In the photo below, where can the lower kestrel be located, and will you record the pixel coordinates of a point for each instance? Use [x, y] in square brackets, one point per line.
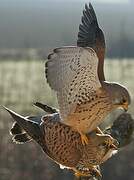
[62, 144]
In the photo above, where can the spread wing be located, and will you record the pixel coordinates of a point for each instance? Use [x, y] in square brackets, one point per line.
[90, 35]
[72, 73]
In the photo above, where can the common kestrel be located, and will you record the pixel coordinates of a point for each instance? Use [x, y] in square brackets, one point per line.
[76, 74]
[62, 144]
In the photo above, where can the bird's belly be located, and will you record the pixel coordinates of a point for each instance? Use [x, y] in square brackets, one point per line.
[88, 120]
[90, 124]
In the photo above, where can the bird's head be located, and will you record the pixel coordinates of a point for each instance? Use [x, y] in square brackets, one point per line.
[119, 95]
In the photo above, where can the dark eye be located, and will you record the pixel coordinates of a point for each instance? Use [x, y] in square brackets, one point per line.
[123, 100]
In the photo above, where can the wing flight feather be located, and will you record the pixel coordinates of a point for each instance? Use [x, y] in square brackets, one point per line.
[72, 73]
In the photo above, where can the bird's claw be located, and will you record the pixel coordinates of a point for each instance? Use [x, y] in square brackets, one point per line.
[114, 146]
[79, 174]
[90, 172]
[84, 139]
[110, 143]
[97, 173]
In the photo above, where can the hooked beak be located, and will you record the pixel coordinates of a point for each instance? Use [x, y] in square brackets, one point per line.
[125, 107]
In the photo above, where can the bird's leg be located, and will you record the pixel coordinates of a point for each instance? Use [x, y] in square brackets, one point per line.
[96, 172]
[84, 138]
[99, 131]
[79, 174]
[92, 171]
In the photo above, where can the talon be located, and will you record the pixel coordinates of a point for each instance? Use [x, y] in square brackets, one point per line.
[97, 173]
[110, 143]
[87, 172]
[84, 139]
[82, 174]
[78, 174]
[114, 146]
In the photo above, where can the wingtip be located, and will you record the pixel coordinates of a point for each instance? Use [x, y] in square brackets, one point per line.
[88, 5]
[5, 108]
[12, 113]
[36, 104]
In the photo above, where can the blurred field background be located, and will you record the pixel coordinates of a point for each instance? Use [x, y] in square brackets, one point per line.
[29, 30]
[21, 84]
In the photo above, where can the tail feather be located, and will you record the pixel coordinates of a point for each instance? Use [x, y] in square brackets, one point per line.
[16, 129]
[21, 138]
[32, 128]
[46, 108]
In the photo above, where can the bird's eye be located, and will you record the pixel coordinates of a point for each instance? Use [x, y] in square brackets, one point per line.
[123, 100]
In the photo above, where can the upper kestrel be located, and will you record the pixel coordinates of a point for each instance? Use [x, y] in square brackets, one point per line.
[76, 74]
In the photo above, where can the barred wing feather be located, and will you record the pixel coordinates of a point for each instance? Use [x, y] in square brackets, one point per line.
[72, 73]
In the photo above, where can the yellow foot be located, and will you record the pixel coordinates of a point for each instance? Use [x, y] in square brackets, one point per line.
[82, 173]
[90, 172]
[110, 142]
[84, 139]
[79, 174]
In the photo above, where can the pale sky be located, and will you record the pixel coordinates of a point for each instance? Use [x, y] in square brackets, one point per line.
[111, 1]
